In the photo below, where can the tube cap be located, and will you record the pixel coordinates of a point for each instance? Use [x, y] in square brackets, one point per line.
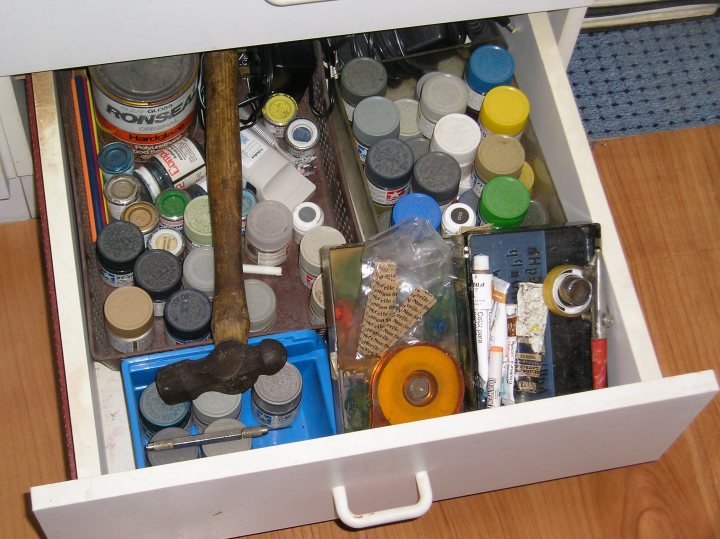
[489, 66]
[504, 202]
[481, 263]
[436, 174]
[505, 110]
[417, 205]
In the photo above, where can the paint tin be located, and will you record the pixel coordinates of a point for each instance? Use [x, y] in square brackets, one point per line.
[128, 314]
[168, 239]
[408, 118]
[199, 271]
[457, 135]
[187, 317]
[276, 399]
[144, 216]
[118, 246]
[261, 303]
[388, 170]
[159, 273]
[457, 216]
[223, 448]
[268, 233]
[116, 158]
[213, 405]
[376, 118]
[361, 78]
[505, 111]
[170, 456]
[504, 202]
[417, 205]
[147, 104]
[489, 66]
[437, 174]
[279, 110]
[306, 216]
[301, 140]
[310, 259]
[197, 225]
[171, 205]
[497, 155]
[120, 191]
[316, 306]
[156, 414]
[441, 95]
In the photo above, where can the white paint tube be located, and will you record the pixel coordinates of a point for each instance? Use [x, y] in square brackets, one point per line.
[482, 305]
[507, 391]
[498, 342]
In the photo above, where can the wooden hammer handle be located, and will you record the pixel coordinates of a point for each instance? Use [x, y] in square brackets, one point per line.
[230, 318]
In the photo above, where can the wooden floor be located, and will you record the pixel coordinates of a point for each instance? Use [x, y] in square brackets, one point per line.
[664, 190]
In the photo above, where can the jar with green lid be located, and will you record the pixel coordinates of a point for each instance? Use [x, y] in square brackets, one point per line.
[197, 223]
[504, 203]
[171, 204]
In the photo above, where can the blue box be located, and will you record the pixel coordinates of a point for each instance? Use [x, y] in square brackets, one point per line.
[306, 350]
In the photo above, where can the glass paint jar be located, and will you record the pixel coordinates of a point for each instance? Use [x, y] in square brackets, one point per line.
[262, 305]
[117, 248]
[199, 271]
[144, 216]
[376, 118]
[408, 118]
[497, 155]
[316, 305]
[276, 399]
[457, 135]
[436, 174]
[169, 240]
[279, 110]
[504, 203]
[306, 216]
[197, 224]
[223, 448]
[159, 273]
[187, 316]
[171, 456]
[171, 205]
[213, 405]
[417, 205]
[388, 170]
[441, 95]
[489, 66]
[180, 165]
[505, 111]
[156, 414]
[128, 315]
[457, 216]
[120, 191]
[268, 233]
[361, 78]
[115, 158]
[310, 259]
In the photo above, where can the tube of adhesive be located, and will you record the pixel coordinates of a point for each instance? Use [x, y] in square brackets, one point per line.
[498, 341]
[507, 392]
[482, 280]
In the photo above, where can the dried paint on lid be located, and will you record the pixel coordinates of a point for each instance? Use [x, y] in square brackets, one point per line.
[187, 314]
[389, 164]
[280, 109]
[118, 245]
[280, 392]
[198, 226]
[361, 78]
[128, 312]
[376, 118]
[499, 155]
[158, 272]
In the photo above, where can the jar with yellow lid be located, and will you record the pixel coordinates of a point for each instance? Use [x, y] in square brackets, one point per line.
[527, 176]
[143, 215]
[504, 111]
[129, 319]
[279, 110]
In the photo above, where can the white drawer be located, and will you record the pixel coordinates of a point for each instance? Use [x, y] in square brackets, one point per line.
[635, 420]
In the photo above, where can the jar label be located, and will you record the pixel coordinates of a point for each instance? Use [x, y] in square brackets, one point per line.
[252, 150]
[115, 210]
[477, 184]
[278, 131]
[158, 307]
[486, 133]
[183, 162]
[128, 346]
[306, 277]
[362, 150]
[177, 224]
[274, 421]
[117, 280]
[426, 126]
[475, 100]
[386, 197]
[274, 258]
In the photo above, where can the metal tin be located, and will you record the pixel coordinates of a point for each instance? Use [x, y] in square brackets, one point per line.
[169, 240]
[310, 251]
[279, 110]
[117, 247]
[120, 191]
[187, 316]
[223, 448]
[128, 314]
[144, 216]
[170, 456]
[276, 399]
[268, 233]
[156, 414]
[171, 205]
[199, 271]
[262, 305]
[116, 158]
[159, 273]
[301, 139]
[212, 405]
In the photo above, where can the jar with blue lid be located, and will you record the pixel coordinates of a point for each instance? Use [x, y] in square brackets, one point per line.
[116, 158]
[417, 205]
[489, 66]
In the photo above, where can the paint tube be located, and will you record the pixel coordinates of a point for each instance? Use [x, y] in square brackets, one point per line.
[507, 391]
[498, 341]
[482, 306]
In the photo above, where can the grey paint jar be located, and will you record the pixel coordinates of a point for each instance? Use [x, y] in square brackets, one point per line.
[310, 259]
[376, 118]
[199, 271]
[212, 405]
[276, 399]
[170, 456]
[361, 78]
[159, 273]
[262, 305]
[223, 448]
[118, 246]
[388, 170]
[187, 316]
[441, 95]
[437, 174]
[156, 415]
[268, 233]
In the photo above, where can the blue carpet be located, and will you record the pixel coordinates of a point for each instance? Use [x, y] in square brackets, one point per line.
[652, 78]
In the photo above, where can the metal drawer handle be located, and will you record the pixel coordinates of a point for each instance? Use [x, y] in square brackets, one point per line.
[385, 516]
[283, 3]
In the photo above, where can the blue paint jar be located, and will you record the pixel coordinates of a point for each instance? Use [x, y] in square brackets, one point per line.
[116, 158]
[417, 205]
[489, 66]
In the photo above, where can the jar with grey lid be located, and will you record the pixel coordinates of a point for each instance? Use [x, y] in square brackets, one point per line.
[187, 316]
[120, 191]
[311, 246]
[212, 405]
[437, 174]
[223, 448]
[268, 233]
[361, 78]
[159, 273]
[170, 456]
[276, 399]
[118, 246]
[442, 94]
[199, 271]
[262, 305]
[156, 414]
[197, 223]
[388, 170]
[376, 118]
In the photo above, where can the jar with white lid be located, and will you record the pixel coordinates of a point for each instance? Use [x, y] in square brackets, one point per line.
[457, 216]
[268, 233]
[457, 135]
[311, 246]
[441, 95]
[306, 216]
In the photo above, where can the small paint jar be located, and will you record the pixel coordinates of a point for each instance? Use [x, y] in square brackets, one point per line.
[151, 185]
[388, 170]
[376, 118]
[168, 239]
[457, 216]
[537, 214]
[408, 118]
[422, 80]
[306, 216]
[417, 205]
[441, 95]
[489, 66]
[276, 398]
[419, 146]
[262, 305]
[159, 273]
[197, 190]
[213, 405]
[497, 155]
[279, 110]
[457, 135]
[171, 456]
[310, 258]
[187, 316]
[171, 205]
[197, 224]
[527, 176]
[120, 191]
[180, 165]
[248, 201]
[117, 248]
[438, 175]
[505, 111]
[316, 306]
[301, 140]
[144, 216]
[128, 314]
[504, 203]
[224, 448]
[199, 271]
[361, 78]
[156, 414]
[268, 233]
[471, 199]
[115, 158]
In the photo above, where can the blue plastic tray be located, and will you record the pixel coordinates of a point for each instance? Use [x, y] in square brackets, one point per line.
[306, 350]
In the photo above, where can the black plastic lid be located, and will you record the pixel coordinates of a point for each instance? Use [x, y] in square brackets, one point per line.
[118, 245]
[389, 163]
[158, 272]
[187, 314]
[437, 174]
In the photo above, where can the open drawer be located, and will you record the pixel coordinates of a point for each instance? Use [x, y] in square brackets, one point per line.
[635, 420]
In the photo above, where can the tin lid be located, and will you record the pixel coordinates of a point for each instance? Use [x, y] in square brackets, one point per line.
[147, 81]
[376, 118]
[280, 392]
[313, 242]
[197, 223]
[458, 215]
[213, 405]
[199, 271]
[504, 202]
[361, 78]
[436, 174]
[443, 94]
[187, 314]
[223, 448]
[143, 215]
[158, 272]
[122, 189]
[261, 304]
[527, 175]
[269, 226]
[119, 244]
[457, 135]
[408, 118]
[419, 145]
[167, 239]
[128, 312]
[169, 456]
[389, 163]
[416, 205]
[171, 203]
[116, 158]
[489, 66]
[280, 109]
[156, 414]
[306, 216]
[505, 110]
[499, 155]
[301, 134]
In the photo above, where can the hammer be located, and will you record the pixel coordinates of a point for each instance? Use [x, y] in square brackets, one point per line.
[233, 366]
